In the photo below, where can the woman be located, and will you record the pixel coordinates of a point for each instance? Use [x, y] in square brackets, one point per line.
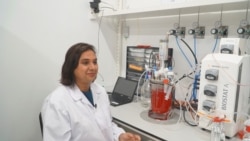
[78, 110]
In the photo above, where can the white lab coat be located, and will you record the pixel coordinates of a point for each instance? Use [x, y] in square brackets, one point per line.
[69, 116]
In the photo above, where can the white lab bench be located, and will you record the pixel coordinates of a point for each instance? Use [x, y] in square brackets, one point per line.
[134, 116]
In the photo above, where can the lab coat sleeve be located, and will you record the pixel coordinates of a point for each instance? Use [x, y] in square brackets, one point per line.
[117, 131]
[56, 123]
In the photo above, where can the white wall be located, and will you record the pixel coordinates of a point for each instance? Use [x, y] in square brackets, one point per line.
[34, 37]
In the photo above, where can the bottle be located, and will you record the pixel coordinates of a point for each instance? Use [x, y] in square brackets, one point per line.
[217, 131]
[146, 93]
[246, 136]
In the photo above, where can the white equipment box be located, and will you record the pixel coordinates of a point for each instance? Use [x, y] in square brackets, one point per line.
[224, 88]
[233, 46]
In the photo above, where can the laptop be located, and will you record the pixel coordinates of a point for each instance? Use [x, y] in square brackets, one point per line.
[123, 91]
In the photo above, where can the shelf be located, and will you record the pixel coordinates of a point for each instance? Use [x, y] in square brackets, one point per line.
[185, 8]
[136, 60]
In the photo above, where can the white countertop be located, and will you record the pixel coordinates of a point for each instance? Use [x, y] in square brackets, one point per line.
[172, 130]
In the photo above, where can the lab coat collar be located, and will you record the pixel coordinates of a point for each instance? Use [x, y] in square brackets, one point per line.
[77, 94]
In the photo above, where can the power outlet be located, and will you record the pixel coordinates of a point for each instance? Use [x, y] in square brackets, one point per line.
[126, 31]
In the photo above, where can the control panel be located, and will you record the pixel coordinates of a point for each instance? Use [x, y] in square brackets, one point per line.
[223, 89]
[235, 46]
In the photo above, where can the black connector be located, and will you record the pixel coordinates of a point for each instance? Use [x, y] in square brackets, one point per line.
[95, 6]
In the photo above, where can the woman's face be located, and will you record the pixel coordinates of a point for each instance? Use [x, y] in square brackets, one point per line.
[86, 70]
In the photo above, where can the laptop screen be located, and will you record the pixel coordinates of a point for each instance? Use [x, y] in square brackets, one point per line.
[125, 87]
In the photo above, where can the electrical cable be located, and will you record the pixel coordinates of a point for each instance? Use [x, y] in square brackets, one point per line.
[193, 110]
[195, 58]
[98, 33]
[187, 107]
[188, 76]
[99, 28]
[108, 8]
[188, 122]
[184, 111]
[98, 39]
[194, 92]
[104, 2]
[184, 76]
[195, 53]
[190, 64]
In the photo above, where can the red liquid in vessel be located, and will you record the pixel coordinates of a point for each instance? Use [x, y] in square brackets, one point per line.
[158, 102]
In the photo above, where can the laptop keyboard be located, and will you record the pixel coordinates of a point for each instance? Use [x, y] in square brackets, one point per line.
[116, 101]
[113, 103]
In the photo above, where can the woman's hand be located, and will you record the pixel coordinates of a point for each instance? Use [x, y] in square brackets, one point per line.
[129, 137]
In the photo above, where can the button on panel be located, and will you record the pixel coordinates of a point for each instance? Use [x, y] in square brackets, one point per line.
[210, 90]
[208, 105]
[212, 74]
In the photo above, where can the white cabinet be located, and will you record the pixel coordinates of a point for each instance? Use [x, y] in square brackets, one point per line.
[170, 9]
